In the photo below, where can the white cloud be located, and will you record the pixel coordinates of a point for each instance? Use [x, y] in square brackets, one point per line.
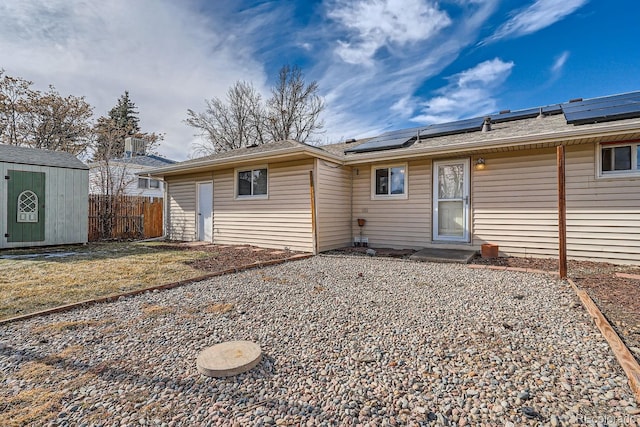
[558, 64]
[168, 56]
[469, 93]
[364, 101]
[373, 24]
[541, 14]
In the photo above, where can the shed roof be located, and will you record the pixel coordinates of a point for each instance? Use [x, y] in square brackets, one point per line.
[39, 157]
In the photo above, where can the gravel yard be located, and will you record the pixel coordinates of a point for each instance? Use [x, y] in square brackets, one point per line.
[347, 340]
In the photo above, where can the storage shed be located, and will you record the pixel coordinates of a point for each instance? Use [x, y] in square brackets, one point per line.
[43, 198]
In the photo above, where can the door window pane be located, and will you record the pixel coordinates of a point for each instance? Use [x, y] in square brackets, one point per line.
[450, 181]
[450, 219]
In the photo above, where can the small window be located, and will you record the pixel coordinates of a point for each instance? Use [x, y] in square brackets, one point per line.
[27, 207]
[389, 181]
[251, 182]
[148, 183]
[621, 159]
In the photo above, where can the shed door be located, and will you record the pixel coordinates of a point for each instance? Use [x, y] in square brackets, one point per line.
[205, 211]
[25, 210]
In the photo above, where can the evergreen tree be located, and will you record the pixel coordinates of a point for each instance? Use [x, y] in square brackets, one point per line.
[122, 120]
[125, 115]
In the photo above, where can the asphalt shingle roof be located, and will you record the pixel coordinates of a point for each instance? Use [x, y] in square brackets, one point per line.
[35, 156]
[150, 160]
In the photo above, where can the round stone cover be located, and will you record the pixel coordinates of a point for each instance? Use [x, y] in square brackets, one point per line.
[228, 358]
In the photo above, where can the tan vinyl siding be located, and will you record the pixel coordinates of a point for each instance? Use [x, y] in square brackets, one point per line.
[395, 223]
[283, 220]
[181, 199]
[333, 205]
[603, 215]
[514, 203]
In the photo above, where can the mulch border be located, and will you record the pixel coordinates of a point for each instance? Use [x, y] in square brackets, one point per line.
[111, 298]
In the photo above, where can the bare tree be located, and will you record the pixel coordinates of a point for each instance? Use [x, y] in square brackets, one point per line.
[108, 179]
[57, 123]
[236, 121]
[242, 119]
[294, 108]
[42, 120]
[14, 93]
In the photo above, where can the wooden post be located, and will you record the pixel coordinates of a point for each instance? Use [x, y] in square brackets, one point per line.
[313, 213]
[562, 213]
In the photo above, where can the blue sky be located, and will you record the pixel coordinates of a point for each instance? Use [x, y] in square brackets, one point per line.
[380, 64]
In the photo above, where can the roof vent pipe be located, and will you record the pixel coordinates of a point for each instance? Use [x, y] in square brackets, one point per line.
[486, 126]
[540, 115]
[418, 136]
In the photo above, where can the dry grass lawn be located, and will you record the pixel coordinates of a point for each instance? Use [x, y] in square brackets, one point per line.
[36, 279]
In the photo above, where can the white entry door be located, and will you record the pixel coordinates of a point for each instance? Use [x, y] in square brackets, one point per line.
[451, 200]
[205, 211]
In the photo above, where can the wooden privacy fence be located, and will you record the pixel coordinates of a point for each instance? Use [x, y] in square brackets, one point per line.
[124, 217]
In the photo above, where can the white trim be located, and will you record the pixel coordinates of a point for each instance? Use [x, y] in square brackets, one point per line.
[236, 196]
[466, 211]
[634, 172]
[197, 213]
[404, 195]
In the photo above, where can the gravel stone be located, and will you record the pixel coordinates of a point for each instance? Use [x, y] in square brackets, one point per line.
[346, 341]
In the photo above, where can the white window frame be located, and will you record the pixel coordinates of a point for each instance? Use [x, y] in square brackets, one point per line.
[147, 183]
[404, 195]
[635, 167]
[249, 196]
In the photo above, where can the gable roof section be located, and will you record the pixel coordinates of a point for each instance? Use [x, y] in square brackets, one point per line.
[38, 157]
[271, 151]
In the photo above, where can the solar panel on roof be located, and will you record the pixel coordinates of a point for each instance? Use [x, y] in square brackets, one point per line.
[452, 128]
[605, 109]
[387, 141]
[515, 115]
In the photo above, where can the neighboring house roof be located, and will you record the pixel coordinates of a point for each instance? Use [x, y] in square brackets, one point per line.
[39, 157]
[149, 160]
[544, 126]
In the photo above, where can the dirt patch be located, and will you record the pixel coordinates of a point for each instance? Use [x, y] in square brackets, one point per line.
[617, 297]
[224, 257]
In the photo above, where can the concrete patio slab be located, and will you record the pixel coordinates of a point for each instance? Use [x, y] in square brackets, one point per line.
[461, 256]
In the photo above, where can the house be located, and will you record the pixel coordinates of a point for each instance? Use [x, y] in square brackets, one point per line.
[483, 180]
[43, 198]
[127, 172]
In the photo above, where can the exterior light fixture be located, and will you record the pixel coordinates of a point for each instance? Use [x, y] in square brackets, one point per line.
[479, 164]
